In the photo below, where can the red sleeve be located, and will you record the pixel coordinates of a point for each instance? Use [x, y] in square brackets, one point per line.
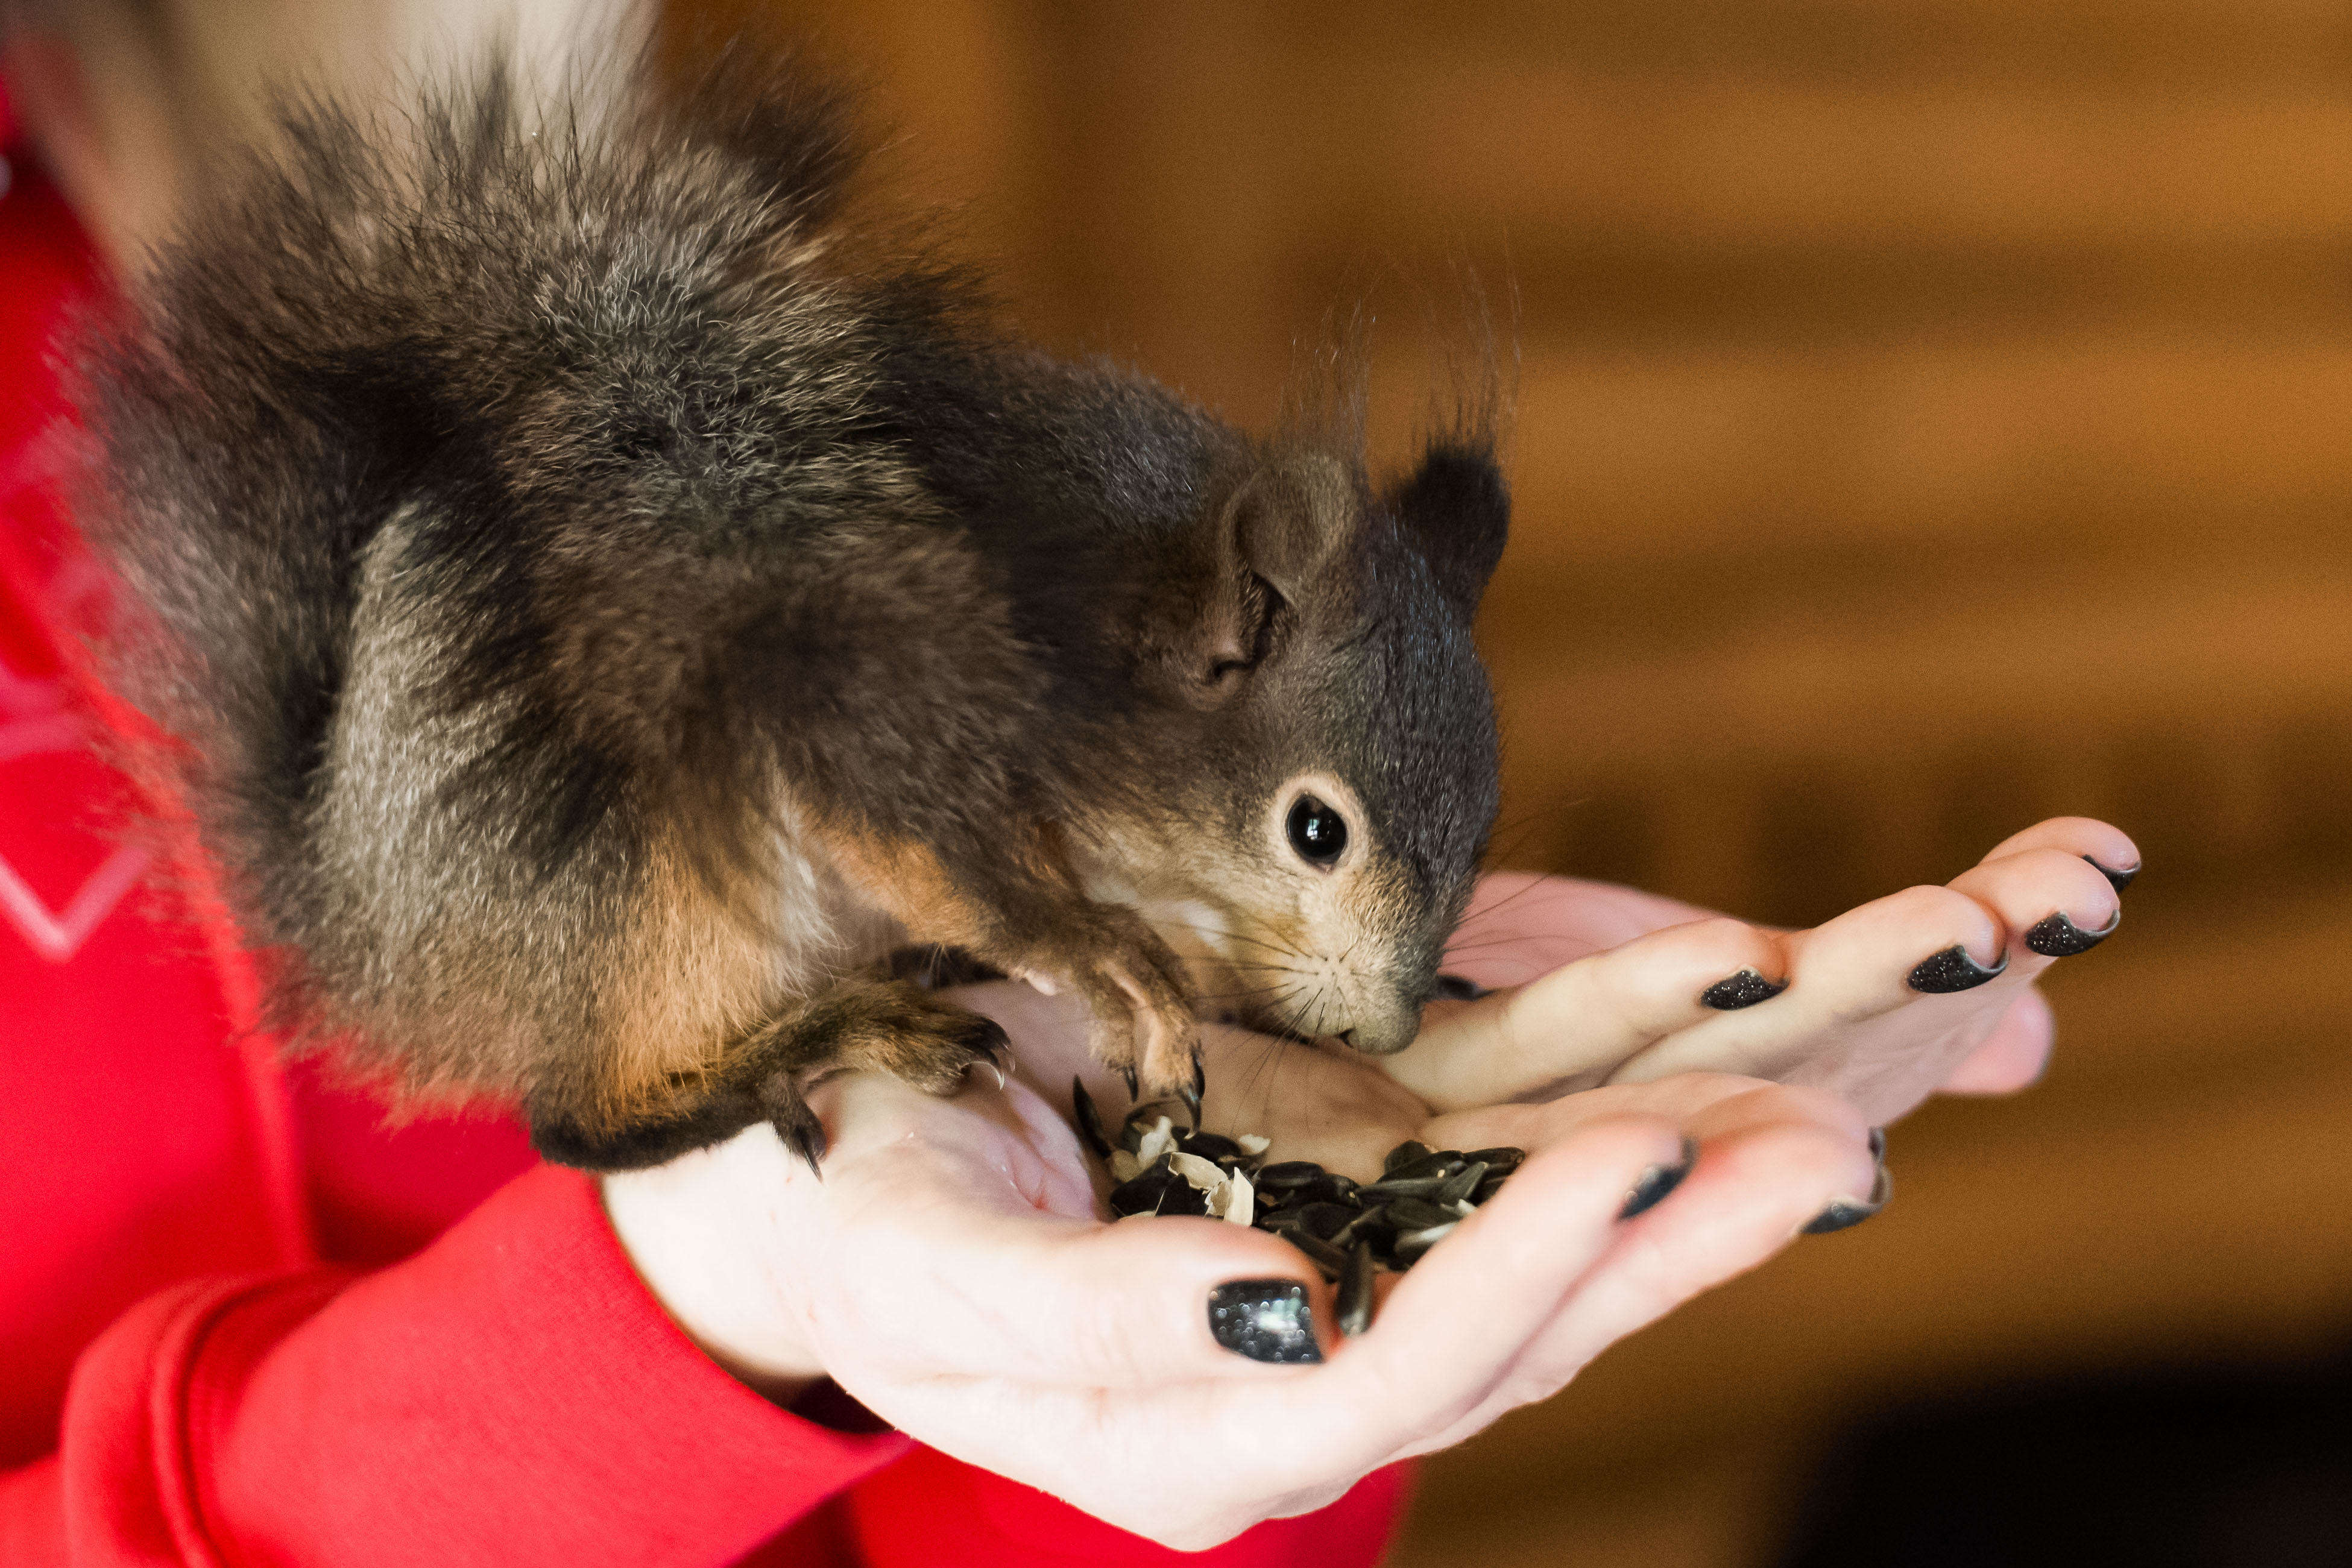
[511, 1395]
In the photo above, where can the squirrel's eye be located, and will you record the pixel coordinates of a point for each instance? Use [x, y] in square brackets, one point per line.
[1317, 832]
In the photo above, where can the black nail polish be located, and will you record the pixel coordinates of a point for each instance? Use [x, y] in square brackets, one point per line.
[1200, 1074]
[2119, 879]
[2057, 936]
[1265, 1320]
[1953, 971]
[1456, 989]
[1844, 1216]
[1134, 1084]
[1744, 990]
[1192, 1099]
[1650, 1190]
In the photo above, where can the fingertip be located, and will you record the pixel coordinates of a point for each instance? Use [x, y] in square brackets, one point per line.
[2016, 1053]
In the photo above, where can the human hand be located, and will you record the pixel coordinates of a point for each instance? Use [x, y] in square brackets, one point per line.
[1609, 985]
[951, 1271]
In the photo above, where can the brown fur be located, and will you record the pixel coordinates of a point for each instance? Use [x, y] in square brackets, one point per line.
[609, 602]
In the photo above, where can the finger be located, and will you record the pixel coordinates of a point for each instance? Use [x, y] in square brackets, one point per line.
[2103, 846]
[951, 1266]
[2014, 1055]
[1520, 925]
[2053, 902]
[1454, 1326]
[1573, 1026]
[1777, 1162]
[1693, 1101]
[1864, 964]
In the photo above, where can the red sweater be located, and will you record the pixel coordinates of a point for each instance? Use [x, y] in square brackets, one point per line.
[244, 1321]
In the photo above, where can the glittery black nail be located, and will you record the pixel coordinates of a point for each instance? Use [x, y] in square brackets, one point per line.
[1265, 1320]
[1953, 971]
[1651, 1187]
[1844, 1216]
[2056, 936]
[1456, 989]
[1744, 990]
[2120, 879]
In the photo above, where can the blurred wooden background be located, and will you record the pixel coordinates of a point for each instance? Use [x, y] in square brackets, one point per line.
[1935, 414]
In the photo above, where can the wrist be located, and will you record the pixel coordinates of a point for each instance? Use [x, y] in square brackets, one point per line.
[708, 1234]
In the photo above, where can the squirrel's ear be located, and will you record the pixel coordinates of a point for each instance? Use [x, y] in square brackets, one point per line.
[1270, 543]
[1457, 511]
[1290, 521]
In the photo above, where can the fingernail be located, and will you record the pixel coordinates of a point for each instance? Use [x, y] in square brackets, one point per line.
[1200, 1075]
[1134, 1084]
[2120, 879]
[1953, 971]
[1456, 989]
[1744, 990]
[1650, 1190]
[2057, 936]
[1844, 1215]
[1265, 1320]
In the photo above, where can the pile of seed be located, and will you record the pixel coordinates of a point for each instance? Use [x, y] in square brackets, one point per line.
[1349, 1230]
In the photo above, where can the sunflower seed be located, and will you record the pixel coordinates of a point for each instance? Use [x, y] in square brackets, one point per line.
[1326, 1257]
[1411, 1244]
[1355, 1301]
[1388, 1188]
[1090, 1127]
[1405, 1153]
[1461, 1184]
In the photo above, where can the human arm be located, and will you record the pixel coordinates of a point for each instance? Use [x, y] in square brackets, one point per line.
[510, 1396]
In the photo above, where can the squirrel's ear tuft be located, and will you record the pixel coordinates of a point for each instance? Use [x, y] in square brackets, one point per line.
[1456, 510]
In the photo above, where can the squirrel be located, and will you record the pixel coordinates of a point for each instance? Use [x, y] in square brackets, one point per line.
[601, 599]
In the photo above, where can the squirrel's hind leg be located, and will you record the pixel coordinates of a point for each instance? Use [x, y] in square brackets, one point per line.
[862, 1024]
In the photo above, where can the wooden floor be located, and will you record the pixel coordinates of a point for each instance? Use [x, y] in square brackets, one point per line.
[1933, 414]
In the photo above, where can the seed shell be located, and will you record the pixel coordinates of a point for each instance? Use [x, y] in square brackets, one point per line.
[1210, 1146]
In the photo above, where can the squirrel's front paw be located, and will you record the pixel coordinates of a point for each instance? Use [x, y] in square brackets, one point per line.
[899, 1028]
[1143, 1022]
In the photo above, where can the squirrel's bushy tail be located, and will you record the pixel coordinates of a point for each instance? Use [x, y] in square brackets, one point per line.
[341, 326]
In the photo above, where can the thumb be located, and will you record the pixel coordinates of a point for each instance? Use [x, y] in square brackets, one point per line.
[944, 1255]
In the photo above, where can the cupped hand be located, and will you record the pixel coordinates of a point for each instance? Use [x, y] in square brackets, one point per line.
[949, 1270]
[952, 1272]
